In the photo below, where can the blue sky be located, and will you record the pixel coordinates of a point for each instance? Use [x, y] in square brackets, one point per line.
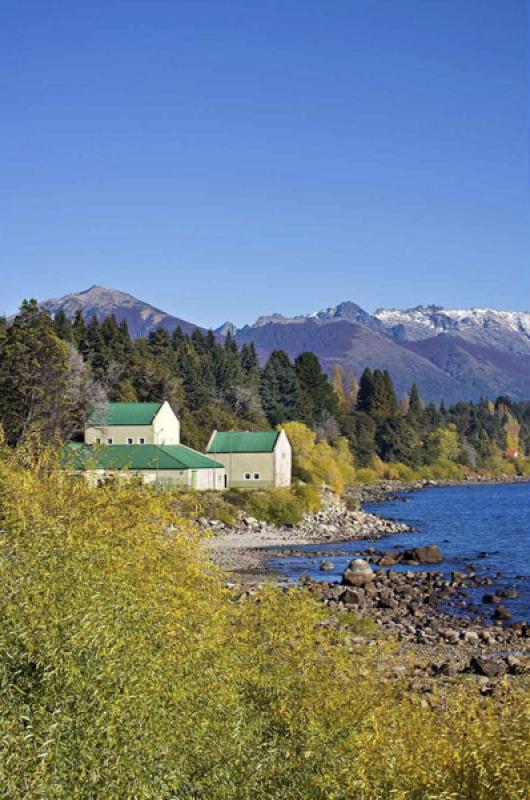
[224, 158]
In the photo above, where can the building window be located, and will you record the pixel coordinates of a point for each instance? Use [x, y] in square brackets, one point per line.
[248, 476]
[98, 440]
[141, 440]
[129, 440]
[256, 476]
[109, 441]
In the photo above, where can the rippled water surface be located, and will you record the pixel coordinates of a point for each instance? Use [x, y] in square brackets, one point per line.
[488, 526]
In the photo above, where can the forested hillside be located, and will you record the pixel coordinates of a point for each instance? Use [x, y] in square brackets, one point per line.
[53, 372]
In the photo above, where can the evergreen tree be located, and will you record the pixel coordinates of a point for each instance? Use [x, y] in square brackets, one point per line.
[249, 358]
[365, 397]
[317, 398]
[365, 439]
[33, 376]
[396, 440]
[416, 412]
[63, 327]
[391, 403]
[80, 333]
[279, 389]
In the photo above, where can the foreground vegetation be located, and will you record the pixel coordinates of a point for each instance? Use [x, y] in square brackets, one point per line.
[128, 670]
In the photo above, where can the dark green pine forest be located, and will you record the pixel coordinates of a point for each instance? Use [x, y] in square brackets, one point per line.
[54, 372]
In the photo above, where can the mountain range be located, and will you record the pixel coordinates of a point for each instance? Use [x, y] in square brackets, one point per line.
[450, 354]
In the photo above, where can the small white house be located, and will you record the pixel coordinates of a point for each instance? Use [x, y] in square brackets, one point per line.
[133, 423]
[141, 439]
[253, 459]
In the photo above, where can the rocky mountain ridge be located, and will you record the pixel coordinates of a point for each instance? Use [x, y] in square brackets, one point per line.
[451, 354]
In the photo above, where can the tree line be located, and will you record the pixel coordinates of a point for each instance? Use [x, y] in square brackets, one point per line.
[54, 372]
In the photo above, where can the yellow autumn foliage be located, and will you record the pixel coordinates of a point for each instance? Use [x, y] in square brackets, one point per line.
[320, 462]
[128, 670]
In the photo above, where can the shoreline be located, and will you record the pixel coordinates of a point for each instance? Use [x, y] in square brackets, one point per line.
[383, 491]
[425, 612]
[243, 553]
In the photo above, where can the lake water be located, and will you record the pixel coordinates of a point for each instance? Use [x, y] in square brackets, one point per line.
[487, 526]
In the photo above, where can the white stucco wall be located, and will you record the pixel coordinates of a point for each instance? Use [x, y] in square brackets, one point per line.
[282, 461]
[213, 478]
[166, 426]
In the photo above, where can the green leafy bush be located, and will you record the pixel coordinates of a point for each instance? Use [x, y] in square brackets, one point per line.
[277, 506]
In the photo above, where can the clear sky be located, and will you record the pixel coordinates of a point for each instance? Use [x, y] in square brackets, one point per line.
[223, 159]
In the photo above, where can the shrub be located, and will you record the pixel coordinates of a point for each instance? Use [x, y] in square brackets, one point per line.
[442, 470]
[209, 504]
[277, 506]
[320, 462]
[309, 496]
[127, 670]
[367, 475]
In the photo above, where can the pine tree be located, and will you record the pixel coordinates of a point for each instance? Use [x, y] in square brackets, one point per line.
[33, 376]
[249, 358]
[80, 333]
[365, 397]
[415, 411]
[317, 398]
[391, 403]
[279, 389]
[63, 326]
[364, 439]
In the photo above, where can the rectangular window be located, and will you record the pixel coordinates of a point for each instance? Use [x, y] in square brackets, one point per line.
[141, 440]
[256, 476]
[129, 440]
[248, 476]
[98, 440]
[109, 441]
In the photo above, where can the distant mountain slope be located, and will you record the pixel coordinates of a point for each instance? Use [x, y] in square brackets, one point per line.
[100, 302]
[450, 354]
[482, 369]
[354, 346]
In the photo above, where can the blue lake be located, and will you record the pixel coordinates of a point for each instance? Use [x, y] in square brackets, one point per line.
[487, 526]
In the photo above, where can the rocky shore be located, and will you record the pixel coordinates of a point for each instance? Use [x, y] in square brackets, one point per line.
[439, 633]
[424, 613]
[244, 548]
[395, 490]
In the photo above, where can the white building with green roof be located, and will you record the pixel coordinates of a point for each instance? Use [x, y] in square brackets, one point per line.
[171, 465]
[253, 459]
[141, 439]
[133, 423]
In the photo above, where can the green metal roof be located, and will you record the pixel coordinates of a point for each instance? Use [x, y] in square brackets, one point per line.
[130, 456]
[243, 442]
[125, 414]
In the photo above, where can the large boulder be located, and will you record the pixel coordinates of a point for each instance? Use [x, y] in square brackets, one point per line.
[358, 573]
[428, 554]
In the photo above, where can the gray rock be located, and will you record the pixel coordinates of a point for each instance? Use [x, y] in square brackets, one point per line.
[429, 554]
[358, 573]
[353, 597]
[501, 614]
[487, 667]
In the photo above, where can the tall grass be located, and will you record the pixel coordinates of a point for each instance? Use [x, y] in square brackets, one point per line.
[128, 670]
